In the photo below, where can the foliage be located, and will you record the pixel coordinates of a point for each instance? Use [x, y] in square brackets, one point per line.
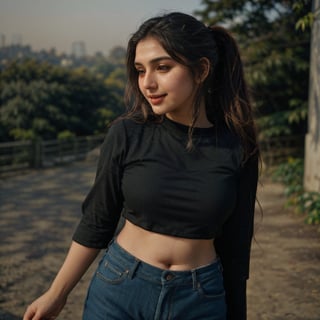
[65, 135]
[276, 57]
[291, 175]
[307, 19]
[47, 101]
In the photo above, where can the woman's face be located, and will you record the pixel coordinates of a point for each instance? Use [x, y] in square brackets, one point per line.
[167, 85]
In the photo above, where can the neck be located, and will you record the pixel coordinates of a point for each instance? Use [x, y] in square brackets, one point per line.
[201, 122]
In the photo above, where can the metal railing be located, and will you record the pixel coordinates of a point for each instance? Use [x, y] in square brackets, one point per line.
[22, 155]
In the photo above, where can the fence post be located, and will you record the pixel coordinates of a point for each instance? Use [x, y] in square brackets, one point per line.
[37, 153]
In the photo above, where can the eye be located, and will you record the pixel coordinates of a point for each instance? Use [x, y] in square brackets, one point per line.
[140, 71]
[163, 68]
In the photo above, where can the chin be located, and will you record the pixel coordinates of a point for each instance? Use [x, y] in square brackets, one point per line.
[158, 111]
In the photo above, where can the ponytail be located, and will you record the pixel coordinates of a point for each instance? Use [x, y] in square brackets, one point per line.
[229, 96]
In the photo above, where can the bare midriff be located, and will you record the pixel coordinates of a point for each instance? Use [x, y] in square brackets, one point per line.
[164, 251]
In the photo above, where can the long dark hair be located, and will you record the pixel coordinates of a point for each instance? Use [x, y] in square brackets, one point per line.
[188, 41]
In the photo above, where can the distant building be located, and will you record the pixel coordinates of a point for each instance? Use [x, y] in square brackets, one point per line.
[78, 49]
[2, 40]
[16, 39]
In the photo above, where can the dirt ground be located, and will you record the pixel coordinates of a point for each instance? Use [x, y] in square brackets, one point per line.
[39, 211]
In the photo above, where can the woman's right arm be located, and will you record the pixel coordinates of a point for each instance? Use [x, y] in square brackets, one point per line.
[50, 304]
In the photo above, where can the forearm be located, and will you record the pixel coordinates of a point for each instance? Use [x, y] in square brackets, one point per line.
[77, 261]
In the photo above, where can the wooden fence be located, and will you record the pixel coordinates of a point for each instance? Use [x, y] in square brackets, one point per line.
[278, 149]
[22, 155]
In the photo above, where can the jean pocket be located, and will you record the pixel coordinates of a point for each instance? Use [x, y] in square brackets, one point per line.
[111, 272]
[211, 288]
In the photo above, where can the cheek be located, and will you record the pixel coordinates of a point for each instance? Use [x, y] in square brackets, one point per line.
[182, 82]
[139, 83]
[184, 87]
[140, 86]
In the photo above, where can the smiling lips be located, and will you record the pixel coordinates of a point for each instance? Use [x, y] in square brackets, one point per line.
[156, 99]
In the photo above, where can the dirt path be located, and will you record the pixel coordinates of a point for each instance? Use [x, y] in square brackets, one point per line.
[285, 265]
[39, 211]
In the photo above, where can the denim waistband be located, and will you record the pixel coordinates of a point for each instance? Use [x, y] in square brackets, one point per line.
[136, 267]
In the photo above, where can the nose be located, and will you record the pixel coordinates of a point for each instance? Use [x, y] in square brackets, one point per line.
[149, 81]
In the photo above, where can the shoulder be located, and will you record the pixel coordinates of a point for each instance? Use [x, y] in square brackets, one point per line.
[121, 126]
[228, 141]
[226, 137]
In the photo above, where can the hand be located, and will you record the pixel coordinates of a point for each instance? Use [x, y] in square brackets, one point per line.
[46, 307]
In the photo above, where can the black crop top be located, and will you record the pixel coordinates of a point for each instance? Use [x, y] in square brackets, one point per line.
[146, 174]
[146, 170]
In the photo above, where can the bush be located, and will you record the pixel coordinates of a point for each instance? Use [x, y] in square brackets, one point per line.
[291, 175]
[66, 135]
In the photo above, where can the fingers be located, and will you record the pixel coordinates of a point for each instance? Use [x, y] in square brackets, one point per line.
[46, 307]
[29, 314]
[33, 314]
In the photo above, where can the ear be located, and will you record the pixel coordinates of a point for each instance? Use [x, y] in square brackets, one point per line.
[204, 69]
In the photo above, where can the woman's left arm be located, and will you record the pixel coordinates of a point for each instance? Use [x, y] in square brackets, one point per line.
[234, 244]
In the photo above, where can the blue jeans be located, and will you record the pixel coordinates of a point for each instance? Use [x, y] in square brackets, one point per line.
[124, 288]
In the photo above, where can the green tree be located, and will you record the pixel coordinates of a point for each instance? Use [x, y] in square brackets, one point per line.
[116, 82]
[276, 57]
[31, 109]
[42, 100]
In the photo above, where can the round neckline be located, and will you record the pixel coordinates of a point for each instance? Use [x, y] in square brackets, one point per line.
[184, 129]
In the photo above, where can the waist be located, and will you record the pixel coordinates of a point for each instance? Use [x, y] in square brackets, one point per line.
[135, 267]
[165, 251]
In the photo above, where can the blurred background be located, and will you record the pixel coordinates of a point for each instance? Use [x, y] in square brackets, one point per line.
[62, 79]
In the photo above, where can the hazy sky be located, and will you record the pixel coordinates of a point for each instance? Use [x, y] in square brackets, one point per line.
[101, 24]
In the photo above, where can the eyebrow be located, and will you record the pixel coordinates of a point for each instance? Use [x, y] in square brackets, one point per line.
[153, 61]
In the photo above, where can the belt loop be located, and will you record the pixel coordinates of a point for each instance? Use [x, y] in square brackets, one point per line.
[134, 268]
[194, 279]
[110, 244]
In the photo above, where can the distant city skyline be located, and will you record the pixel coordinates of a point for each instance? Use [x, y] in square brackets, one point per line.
[99, 24]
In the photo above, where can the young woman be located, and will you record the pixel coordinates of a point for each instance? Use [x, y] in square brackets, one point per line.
[181, 168]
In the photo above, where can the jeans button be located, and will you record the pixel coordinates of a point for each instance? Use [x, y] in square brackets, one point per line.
[169, 276]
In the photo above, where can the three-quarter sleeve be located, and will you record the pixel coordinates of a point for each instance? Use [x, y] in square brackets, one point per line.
[234, 244]
[102, 207]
